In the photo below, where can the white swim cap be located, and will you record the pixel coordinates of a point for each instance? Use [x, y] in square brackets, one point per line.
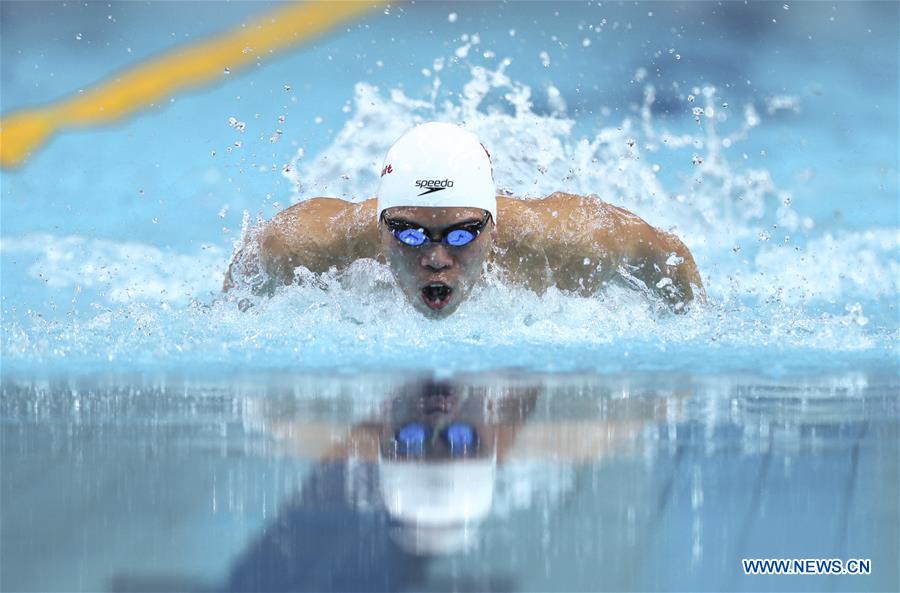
[439, 165]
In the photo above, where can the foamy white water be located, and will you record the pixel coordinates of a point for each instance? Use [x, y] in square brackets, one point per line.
[781, 291]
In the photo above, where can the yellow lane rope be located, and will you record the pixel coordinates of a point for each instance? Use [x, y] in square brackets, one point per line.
[23, 132]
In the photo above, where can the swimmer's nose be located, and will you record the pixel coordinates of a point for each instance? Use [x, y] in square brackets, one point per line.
[437, 258]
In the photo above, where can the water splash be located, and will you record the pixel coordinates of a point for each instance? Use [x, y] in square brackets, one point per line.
[771, 302]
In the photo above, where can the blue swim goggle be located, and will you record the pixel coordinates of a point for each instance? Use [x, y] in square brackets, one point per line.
[411, 234]
[413, 438]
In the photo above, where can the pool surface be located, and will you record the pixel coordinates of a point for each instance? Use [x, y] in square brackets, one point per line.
[627, 483]
[158, 437]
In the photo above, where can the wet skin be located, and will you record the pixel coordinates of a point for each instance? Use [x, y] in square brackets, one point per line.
[574, 243]
[425, 273]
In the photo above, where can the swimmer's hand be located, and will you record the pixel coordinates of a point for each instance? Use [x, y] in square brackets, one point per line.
[660, 263]
[666, 269]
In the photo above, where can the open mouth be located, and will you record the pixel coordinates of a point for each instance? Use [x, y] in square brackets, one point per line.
[436, 295]
[437, 404]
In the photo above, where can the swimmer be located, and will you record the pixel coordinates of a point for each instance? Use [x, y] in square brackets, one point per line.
[434, 447]
[438, 222]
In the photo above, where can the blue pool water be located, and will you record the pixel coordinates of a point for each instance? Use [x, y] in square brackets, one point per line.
[619, 482]
[146, 441]
[114, 240]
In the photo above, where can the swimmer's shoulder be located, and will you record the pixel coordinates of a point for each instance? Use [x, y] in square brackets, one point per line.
[321, 232]
[555, 209]
[324, 212]
[323, 209]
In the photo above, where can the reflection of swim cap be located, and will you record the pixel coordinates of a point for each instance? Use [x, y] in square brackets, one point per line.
[438, 494]
[437, 165]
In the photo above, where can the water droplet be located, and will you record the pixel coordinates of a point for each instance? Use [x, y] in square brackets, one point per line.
[763, 236]
[451, 18]
[674, 260]
[78, 36]
[690, 98]
[585, 42]
[786, 7]
[545, 59]
[697, 160]
[287, 87]
[226, 71]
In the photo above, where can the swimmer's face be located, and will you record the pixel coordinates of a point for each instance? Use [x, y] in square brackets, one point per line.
[436, 277]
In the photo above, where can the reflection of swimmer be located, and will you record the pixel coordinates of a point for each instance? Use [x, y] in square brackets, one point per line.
[334, 534]
[437, 220]
[436, 468]
[435, 446]
[465, 419]
[350, 527]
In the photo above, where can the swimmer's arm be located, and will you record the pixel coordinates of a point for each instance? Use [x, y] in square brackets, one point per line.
[656, 260]
[326, 441]
[586, 242]
[318, 234]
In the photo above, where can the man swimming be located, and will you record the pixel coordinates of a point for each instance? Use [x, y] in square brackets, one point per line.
[438, 222]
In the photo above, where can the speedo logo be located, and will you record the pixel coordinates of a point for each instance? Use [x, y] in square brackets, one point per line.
[433, 185]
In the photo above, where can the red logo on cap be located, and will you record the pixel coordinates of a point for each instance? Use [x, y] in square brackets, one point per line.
[490, 160]
[387, 170]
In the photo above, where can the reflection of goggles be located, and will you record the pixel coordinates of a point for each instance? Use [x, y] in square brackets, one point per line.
[456, 236]
[411, 439]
